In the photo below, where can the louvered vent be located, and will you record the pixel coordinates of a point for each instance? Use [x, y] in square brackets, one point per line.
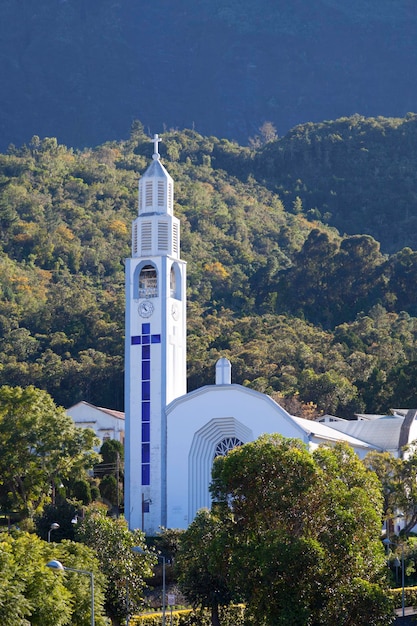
[163, 236]
[135, 239]
[146, 240]
[148, 194]
[170, 196]
[161, 193]
[175, 239]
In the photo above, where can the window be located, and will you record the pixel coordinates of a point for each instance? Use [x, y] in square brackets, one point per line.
[173, 282]
[148, 282]
[227, 444]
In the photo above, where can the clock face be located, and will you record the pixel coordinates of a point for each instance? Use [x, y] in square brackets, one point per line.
[175, 311]
[145, 308]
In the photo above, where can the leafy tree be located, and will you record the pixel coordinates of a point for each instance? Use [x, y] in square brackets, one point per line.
[168, 541]
[331, 391]
[32, 593]
[109, 489]
[399, 480]
[64, 513]
[38, 443]
[203, 563]
[111, 451]
[111, 471]
[359, 603]
[81, 491]
[125, 571]
[302, 527]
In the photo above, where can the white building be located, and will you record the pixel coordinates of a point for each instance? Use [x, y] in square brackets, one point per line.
[106, 423]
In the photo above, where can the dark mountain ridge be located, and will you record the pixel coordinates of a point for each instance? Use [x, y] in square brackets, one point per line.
[83, 72]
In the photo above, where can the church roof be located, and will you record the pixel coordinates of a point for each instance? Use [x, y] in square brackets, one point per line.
[233, 388]
[156, 170]
[383, 433]
[308, 430]
[327, 433]
[117, 414]
[368, 416]
[401, 412]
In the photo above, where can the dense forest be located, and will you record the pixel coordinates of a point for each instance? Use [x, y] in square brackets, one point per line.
[301, 262]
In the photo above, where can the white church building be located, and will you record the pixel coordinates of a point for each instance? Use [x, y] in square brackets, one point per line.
[171, 436]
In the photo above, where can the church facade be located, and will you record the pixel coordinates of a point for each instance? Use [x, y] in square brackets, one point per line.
[171, 436]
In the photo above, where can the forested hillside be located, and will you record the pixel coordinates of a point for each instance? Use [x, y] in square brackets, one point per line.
[299, 309]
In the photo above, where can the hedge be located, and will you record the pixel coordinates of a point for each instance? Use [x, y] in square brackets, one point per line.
[410, 596]
[229, 616]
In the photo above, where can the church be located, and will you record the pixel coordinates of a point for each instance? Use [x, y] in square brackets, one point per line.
[171, 436]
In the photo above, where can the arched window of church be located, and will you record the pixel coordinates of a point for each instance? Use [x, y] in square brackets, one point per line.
[227, 444]
[172, 282]
[175, 281]
[148, 282]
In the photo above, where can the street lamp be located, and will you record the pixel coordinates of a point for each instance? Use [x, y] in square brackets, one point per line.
[54, 526]
[139, 550]
[387, 542]
[57, 565]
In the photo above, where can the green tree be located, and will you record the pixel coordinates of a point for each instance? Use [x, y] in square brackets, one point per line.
[399, 480]
[111, 472]
[65, 513]
[111, 451]
[125, 571]
[203, 563]
[33, 594]
[38, 443]
[331, 391]
[303, 527]
[109, 489]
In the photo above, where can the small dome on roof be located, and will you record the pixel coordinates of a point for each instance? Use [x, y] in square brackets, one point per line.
[223, 372]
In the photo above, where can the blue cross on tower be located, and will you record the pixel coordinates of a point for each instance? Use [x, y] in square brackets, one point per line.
[145, 340]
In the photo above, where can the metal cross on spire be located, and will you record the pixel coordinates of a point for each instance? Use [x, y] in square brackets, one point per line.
[155, 140]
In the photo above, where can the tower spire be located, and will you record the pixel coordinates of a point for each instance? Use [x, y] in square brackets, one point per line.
[156, 156]
[155, 363]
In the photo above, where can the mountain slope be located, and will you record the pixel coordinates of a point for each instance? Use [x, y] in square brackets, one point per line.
[299, 310]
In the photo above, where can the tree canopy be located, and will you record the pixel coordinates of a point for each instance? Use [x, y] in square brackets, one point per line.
[125, 570]
[39, 444]
[33, 594]
[303, 530]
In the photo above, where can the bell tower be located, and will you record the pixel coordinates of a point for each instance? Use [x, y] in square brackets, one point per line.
[155, 345]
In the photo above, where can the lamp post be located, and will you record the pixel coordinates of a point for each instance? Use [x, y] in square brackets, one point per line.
[54, 526]
[387, 542]
[57, 565]
[139, 550]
